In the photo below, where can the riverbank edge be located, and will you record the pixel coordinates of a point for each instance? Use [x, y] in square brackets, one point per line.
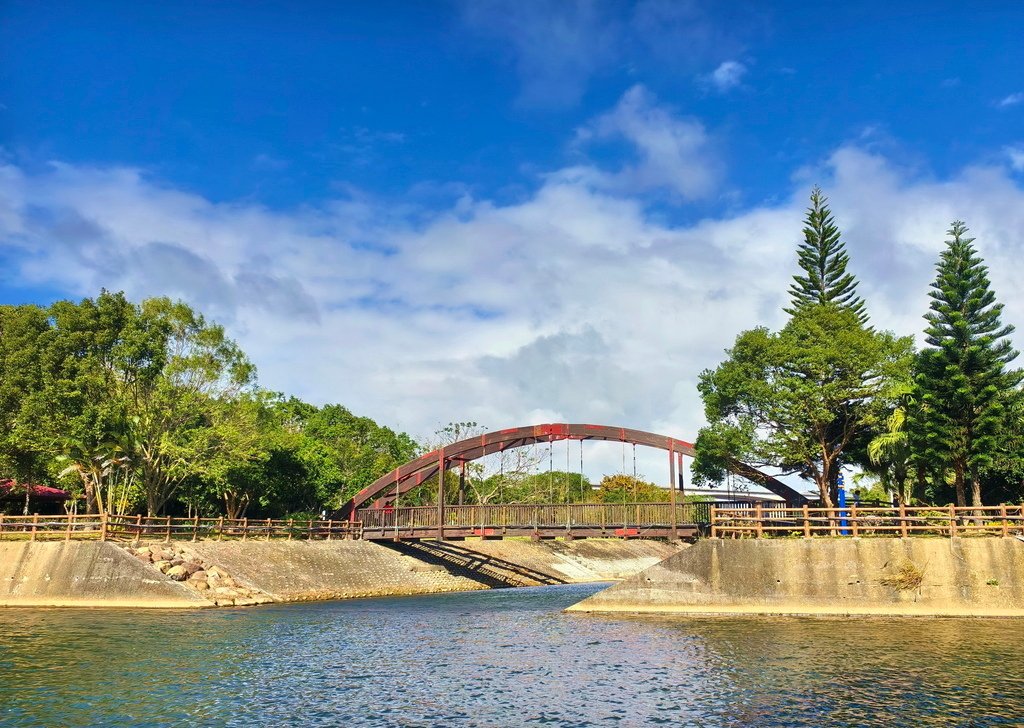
[958, 577]
[124, 576]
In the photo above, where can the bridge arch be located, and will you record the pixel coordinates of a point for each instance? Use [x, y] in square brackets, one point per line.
[418, 471]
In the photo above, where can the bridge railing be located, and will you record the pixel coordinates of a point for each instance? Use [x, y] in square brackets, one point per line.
[902, 521]
[537, 515]
[111, 527]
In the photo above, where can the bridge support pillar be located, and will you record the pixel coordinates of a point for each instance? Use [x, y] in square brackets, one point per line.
[440, 494]
[672, 491]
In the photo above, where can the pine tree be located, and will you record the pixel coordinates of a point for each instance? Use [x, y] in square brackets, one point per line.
[823, 258]
[962, 378]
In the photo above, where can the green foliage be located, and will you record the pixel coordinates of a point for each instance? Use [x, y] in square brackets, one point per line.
[622, 488]
[823, 258]
[966, 421]
[798, 399]
[151, 406]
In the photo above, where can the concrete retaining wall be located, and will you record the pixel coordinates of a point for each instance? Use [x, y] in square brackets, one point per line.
[582, 560]
[105, 574]
[85, 574]
[959, 577]
[309, 570]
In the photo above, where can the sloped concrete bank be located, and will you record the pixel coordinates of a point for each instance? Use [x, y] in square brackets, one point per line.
[882, 576]
[86, 574]
[225, 573]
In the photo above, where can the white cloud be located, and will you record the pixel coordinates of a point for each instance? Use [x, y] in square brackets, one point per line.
[1011, 100]
[727, 76]
[672, 152]
[1016, 156]
[572, 304]
[557, 46]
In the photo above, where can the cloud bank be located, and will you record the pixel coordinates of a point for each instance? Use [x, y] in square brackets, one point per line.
[577, 303]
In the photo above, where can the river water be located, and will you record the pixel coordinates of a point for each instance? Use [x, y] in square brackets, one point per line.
[500, 658]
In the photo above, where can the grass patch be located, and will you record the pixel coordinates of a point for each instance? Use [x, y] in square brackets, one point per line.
[907, 577]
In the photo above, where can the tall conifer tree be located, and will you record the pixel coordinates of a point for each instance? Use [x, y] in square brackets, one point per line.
[822, 256]
[962, 378]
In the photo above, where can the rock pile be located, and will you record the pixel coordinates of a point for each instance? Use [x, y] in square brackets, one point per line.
[181, 564]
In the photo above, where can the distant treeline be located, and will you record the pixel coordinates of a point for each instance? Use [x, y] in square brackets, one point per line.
[148, 407]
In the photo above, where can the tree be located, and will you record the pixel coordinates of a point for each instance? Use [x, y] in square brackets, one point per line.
[22, 329]
[622, 488]
[823, 258]
[171, 398]
[799, 399]
[890, 457]
[346, 453]
[962, 377]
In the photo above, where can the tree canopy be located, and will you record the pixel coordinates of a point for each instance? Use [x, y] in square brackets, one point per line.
[966, 418]
[822, 257]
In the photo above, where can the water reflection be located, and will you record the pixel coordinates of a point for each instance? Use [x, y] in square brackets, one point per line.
[500, 658]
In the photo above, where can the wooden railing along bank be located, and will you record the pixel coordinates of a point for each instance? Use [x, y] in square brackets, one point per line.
[107, 527]
[773, 521]
[725, 521]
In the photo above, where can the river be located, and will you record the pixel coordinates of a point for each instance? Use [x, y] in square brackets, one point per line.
[500, 658]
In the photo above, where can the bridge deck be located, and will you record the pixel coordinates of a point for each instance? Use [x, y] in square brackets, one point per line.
[572, 520]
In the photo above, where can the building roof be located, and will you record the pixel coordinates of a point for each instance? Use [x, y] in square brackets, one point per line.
[10, 490]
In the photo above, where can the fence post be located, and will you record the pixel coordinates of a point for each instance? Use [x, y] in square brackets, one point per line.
[714, 521]
[268, 529]
[103, 526]
[903, 520]
[952, 520]
[138, 527]
[309, 533]
[1, 526]
[195, 529]
[245, 528]
[67, 533]
[854, 521]
[35, 526]
[330, 526]
[759, 514]
[291, 525]
[1002, 516]
[167, 533]
[807, 522]
[220, 528]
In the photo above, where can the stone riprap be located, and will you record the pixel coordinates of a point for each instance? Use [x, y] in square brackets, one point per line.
[181, 564]
[829, 576]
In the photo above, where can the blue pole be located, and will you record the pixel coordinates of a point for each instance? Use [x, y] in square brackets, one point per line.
[843, 523]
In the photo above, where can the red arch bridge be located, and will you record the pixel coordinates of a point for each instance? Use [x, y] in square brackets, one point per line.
[378, 506]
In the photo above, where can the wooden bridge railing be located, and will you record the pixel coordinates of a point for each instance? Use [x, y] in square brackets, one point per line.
[537, 515]
[762, 522]
[107, 527]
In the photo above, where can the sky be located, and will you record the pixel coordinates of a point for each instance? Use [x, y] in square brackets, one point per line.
[502, 211]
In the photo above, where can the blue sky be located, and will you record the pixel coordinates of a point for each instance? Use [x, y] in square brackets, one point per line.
[287, 103]
[442, 211]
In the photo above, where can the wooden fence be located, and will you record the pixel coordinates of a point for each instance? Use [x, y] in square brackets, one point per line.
[107, 527]
[566, 515]
[858, 521]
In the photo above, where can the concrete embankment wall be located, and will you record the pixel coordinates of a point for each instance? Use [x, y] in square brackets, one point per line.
[957, 577]
[105, 574]
[582, 560]
[85, 574]
[309, 570]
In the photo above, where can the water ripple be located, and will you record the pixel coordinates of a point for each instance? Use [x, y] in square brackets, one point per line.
[500, 658]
